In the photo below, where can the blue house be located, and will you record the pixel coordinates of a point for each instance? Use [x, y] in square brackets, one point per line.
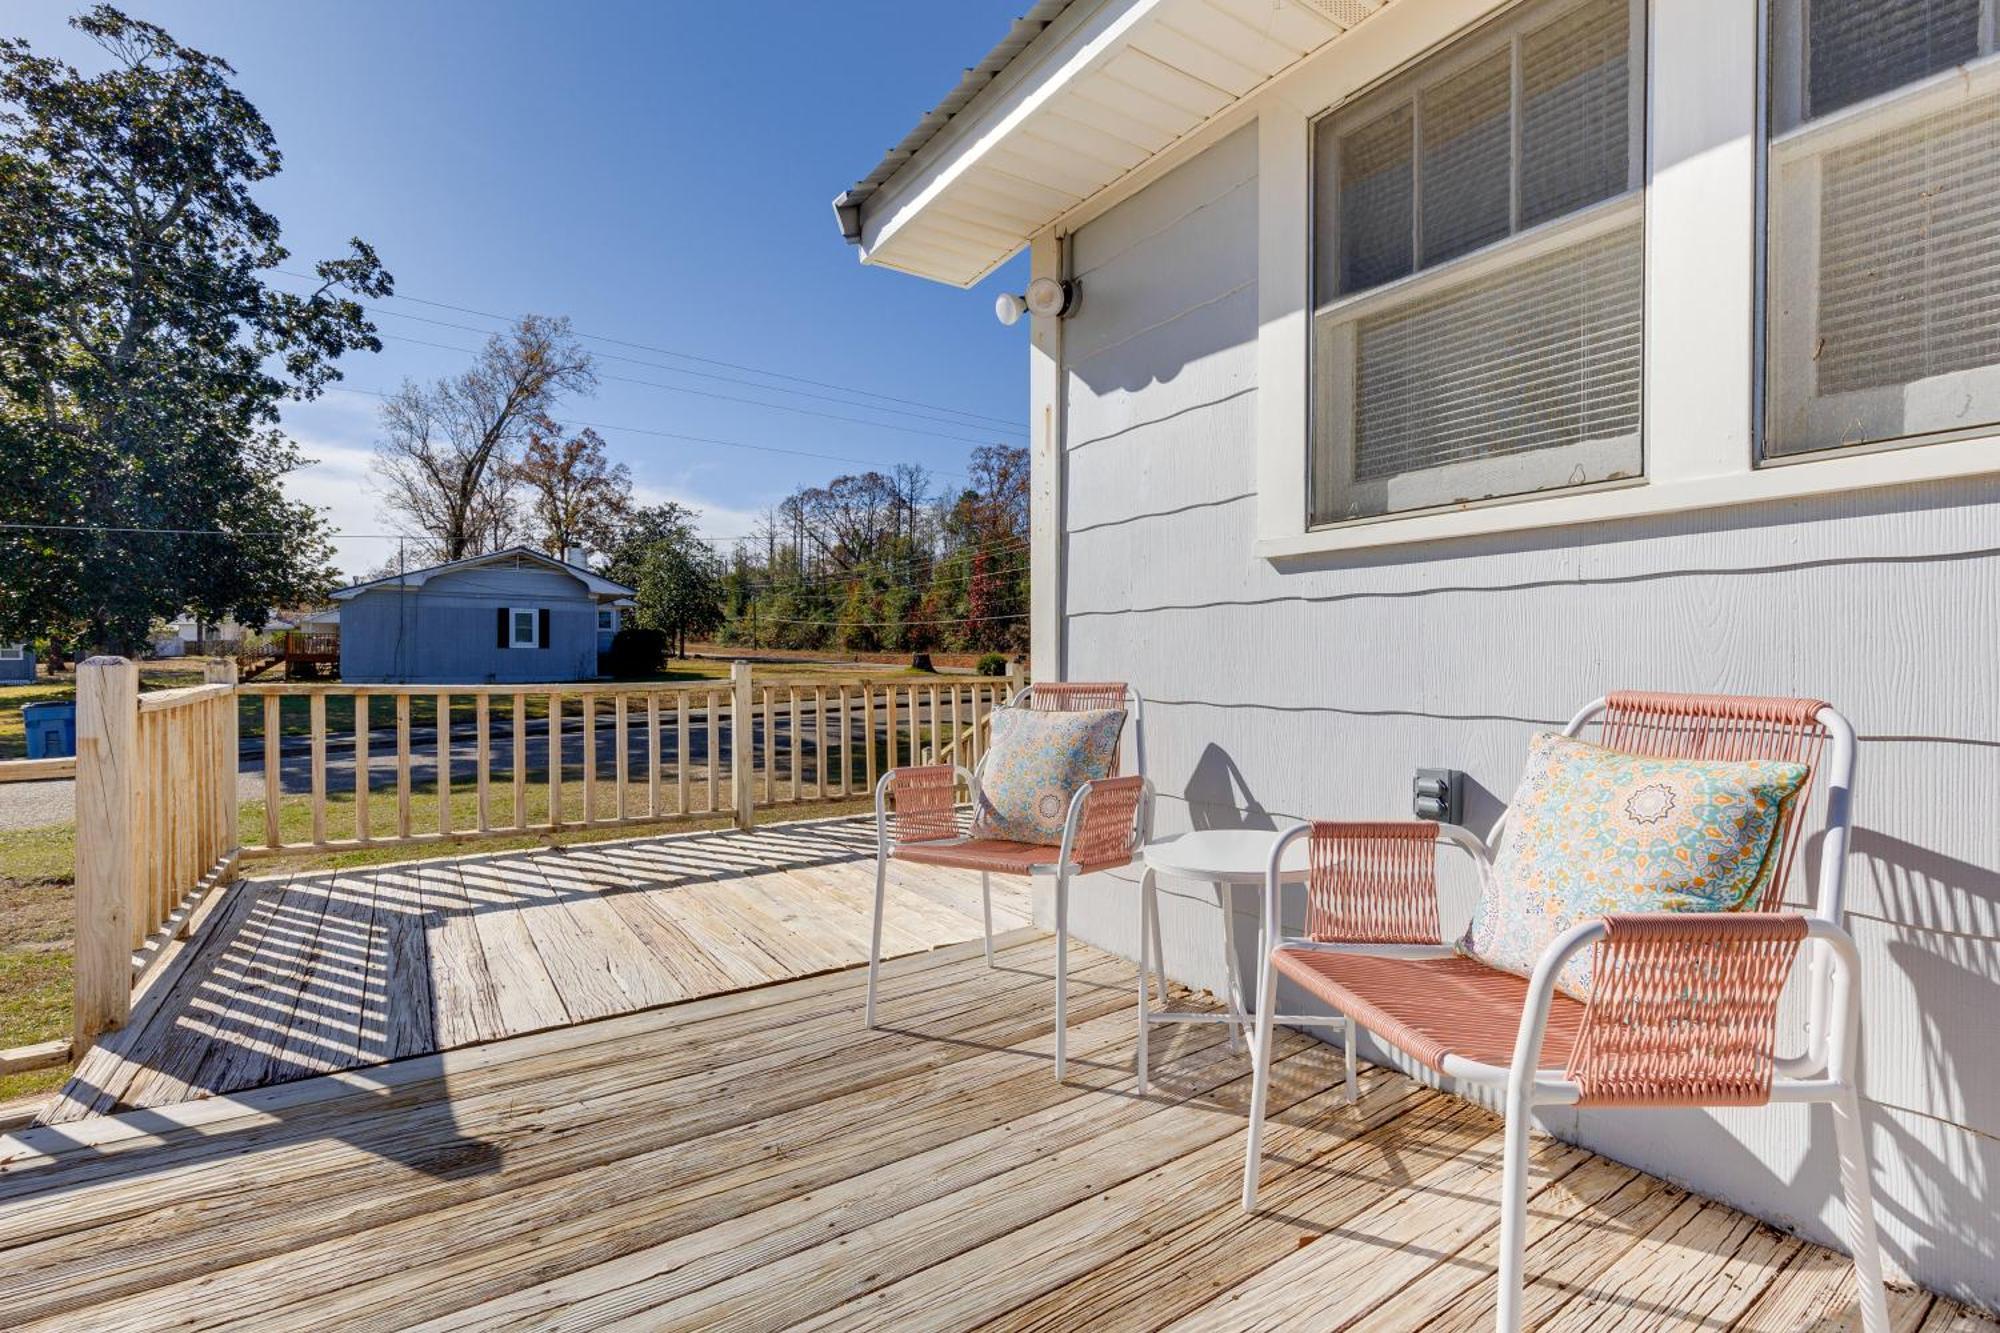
[515, 616]
[17, 662]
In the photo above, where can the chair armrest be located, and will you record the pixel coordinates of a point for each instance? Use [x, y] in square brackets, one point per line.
[919, 803]
[1108, 821]
[1683, 1006]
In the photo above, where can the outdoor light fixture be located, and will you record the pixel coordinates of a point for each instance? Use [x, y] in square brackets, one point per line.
[1052, 297]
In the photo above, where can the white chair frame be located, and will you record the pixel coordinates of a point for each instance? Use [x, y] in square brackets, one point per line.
[1062, 866]
[1824, 1070]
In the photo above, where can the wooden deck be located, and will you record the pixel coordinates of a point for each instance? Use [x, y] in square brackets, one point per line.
[758, 1160]
[307, 974]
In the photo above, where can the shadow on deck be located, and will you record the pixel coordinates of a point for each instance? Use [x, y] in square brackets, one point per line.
[314, 973]
[759, 1160]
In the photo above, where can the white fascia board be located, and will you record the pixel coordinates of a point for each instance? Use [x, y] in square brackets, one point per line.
[1071, 47]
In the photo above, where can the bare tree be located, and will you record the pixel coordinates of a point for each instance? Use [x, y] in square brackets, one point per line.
[445, 464]
[576, 495]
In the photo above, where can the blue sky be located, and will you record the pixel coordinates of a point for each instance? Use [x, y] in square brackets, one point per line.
[660, 173]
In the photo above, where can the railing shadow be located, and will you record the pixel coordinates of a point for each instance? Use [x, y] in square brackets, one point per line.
[334, 972]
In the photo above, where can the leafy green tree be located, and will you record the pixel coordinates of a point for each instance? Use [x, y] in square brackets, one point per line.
[679, 582]
[680, 593]
[143, 357]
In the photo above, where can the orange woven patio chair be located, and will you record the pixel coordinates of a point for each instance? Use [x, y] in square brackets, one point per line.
[1107, 824]
[1684, 1008]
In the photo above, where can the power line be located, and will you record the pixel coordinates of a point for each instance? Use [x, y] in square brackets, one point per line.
[164, 532]
[695, 439]
[1014, 428]
[689, 356]
[909, 568]
[726, 397]
[894, 624]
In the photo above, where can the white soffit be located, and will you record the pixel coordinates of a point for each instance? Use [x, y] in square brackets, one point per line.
[1098, 91]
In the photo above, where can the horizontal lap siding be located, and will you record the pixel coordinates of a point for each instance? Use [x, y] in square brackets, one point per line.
[1316, 691]
[447, 630]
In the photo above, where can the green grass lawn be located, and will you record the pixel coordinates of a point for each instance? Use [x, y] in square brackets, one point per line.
[13, 734]
[37, 882]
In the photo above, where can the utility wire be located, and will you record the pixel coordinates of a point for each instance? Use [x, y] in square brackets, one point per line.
[688, 356]
[728, 397]
[694, 439]
[1014, 428]
[166, 532]
[894, 624]
[908, 568]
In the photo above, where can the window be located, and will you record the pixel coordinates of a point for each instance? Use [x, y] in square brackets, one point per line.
[1477, 266]
[1882, 308]
[13, 652]
[524, 628]
[605, 621]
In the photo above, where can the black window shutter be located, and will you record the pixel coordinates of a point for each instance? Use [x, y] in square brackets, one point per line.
[542, 640]
[503, 613]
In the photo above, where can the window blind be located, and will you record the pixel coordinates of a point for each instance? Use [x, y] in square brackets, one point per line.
[1909, 278]
[1575, 121]
[1467, 159]
[1376, 206]
[1858, 49]
[1541, 355]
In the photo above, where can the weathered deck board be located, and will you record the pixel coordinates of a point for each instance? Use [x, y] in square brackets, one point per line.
[316, 973]
[758, 1160]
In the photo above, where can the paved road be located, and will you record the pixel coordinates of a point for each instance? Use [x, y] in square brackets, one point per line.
[33, 804]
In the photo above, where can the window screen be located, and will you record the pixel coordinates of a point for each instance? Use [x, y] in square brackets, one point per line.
[1516, 368]
[1467, 159]
[1883, 311]
[1858, 49]
[1575, 95]
[524, 629]
[1373, 241]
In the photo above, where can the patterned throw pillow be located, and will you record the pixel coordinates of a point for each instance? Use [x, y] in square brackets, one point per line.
[1034, 766]
[1594, 831]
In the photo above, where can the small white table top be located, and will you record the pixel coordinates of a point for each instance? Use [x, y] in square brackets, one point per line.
[1227, 856]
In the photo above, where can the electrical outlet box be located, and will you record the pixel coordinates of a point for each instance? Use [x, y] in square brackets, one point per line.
[1438, 794]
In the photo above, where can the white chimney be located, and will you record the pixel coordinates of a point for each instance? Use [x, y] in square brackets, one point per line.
[576, 555]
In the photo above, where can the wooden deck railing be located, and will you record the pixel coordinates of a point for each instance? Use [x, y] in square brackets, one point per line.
[513, 759]
[353, 766]
[156, 819]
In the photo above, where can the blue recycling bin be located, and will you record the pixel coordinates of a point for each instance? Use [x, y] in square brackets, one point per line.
[51, 730]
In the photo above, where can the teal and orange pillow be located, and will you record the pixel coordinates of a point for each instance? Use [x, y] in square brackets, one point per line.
[1595, 831]
[1034, 766]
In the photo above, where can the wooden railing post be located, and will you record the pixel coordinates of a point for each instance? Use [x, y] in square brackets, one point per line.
[1014, 681]
[107, 781]
[742, 746]
[225, 673]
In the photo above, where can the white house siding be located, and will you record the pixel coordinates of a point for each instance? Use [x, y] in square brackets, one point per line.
[444, 632]
[1316, 690]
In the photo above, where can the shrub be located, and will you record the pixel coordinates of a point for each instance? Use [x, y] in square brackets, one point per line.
[992, 664]
[635, 652]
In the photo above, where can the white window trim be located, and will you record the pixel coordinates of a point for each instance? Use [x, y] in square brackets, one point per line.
[1703, 217]
[534, 614]
[13, 652]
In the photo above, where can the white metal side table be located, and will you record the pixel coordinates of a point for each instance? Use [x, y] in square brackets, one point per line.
[1224, 858]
